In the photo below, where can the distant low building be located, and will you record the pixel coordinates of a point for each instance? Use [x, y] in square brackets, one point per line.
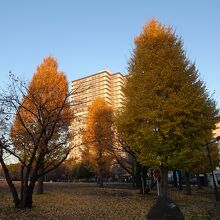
[216, 133]
[217, 130]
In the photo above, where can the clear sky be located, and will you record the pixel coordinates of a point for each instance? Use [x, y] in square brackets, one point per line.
[90, 35]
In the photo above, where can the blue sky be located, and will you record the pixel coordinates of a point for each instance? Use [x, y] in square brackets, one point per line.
[87, 36]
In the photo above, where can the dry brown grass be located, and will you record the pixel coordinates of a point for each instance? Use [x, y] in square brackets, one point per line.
[86, 201]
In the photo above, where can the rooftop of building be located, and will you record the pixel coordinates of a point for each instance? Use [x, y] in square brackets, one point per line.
[99, 72]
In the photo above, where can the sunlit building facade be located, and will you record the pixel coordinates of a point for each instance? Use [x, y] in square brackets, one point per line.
[104, 84]
[217, 130]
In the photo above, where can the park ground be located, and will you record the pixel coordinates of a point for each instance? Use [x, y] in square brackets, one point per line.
[115, 201]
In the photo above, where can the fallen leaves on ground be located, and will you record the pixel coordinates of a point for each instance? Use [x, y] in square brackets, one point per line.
[86, 201]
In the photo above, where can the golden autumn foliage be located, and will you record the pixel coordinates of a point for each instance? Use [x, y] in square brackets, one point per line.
[152, 30]
[44, 115]
[98, 135]
[39, 116]
[168, 114]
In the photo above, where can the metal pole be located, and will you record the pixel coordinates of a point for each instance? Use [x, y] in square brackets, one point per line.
[213, 178]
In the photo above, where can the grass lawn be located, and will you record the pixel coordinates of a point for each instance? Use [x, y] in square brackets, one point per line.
[86, 201]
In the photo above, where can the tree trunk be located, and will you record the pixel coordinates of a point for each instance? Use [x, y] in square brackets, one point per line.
[163, 181]
[180, 182]
[175, 179]
[22, 182]
[133, 175]
[40, 186]
[138, 176]
[101, 180]
[153, 182]
[10, 182]
[133, 182]
[205, 180]
[40, 182]
[15, 196]
[143, 188]
[198, 181]
[26, 201]
[151, 177]
[188, 187]
[28, 188]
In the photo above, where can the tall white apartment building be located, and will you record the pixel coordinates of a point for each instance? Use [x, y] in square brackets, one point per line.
[104, 84]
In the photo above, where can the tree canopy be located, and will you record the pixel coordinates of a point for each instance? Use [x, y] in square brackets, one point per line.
[98, 136]
[44, 115]
[39, 134]
[168, 112]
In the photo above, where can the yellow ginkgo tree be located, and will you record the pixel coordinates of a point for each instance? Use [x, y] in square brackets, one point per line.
[167, 112]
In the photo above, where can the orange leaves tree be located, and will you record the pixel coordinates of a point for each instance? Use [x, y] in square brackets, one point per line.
[39, 132]
[98, 137]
